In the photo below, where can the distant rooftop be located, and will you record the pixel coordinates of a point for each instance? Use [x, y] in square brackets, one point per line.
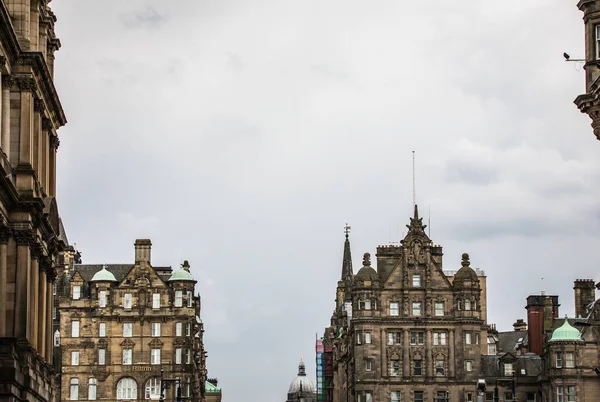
[478, 271]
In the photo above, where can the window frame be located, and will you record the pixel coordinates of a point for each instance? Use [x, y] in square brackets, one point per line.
[439, 309]
[76, 295]
[395, 396]
[75, 358]
[597, 41]
[178, 356]
[155, 356]
[417, 338]
[127, 357]
[558, 359]
[102, 298]
[101, 330]
[394, 309]
[156, 329]
[419, 368]
[155, 301]
[74, 389]
[190, 299]
[101, 357]
[127, 389]
[440, 368]
[128, 301]
[368, 365]
[368, 338]
[395, 368]
[92, 385]
[569, 360]
[417, 310]
[178, 298]
[127, 333]
[179, 328]
[75, 326]
[420, 398]
[468, 365]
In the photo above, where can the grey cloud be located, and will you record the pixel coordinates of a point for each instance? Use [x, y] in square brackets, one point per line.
[471, 172]
[147, 17]
[235, 62]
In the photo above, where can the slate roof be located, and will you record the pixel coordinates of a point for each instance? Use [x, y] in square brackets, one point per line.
[508, 341]
[87, 271]
[532, 363]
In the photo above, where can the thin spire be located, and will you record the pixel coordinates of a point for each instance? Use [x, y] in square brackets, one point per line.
[414, 180]
[347, 270]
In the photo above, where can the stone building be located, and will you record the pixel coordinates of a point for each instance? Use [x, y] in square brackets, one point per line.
[125, 328]
[407, 331]
[32, 238]
[301, 388]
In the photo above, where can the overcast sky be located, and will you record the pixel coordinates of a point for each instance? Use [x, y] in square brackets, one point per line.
[243, 135]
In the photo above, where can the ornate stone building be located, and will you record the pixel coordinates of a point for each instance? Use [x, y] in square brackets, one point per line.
[123, 329]
[301, 388]
[32, 238]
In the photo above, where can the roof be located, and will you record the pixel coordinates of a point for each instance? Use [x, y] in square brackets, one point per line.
[565, 333]
[510, 341]
[104, 276]
[210, 387]
[120, 271]
[181, 275]
[530, 363]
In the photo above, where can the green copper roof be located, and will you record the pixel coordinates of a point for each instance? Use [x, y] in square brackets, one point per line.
[210, 387]
[565, 333]
[181, 275]
[103, 275]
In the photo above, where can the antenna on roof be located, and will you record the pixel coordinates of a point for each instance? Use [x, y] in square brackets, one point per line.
[429, 221]
[414, 187]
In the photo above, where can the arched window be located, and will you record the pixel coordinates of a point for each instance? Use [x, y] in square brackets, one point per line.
[74, 390]
[153, 389]
[57, 338]
[126, 388]
[92, 389]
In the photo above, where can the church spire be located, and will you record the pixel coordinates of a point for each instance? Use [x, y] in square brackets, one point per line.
[416, 223]
[347, 271]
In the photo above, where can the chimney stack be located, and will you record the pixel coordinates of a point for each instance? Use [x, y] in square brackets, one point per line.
[142, 250]
[585, 294]
[520, 325]
[536, 318]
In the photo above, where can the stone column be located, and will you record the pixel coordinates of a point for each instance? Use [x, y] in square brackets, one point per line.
[451, 362]
[33, 288]
[38, 108]
[406, 354]
[4, 236]
[429, 360]
[49, 307]
[7, 82]
[46, 134]
[27, 87]
[22, 288]
[54, 143]
[2, 62]
[42, 319]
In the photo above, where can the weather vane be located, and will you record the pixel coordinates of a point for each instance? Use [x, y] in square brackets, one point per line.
[347, 230]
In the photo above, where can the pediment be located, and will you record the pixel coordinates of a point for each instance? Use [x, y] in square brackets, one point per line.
[128, 343]
[142, 275]
[156, 343]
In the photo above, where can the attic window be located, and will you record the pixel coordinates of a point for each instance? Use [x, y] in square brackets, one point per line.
[508, 369]
[76, 292]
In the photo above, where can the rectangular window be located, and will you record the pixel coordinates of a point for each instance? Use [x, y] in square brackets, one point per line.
[75, 358]
[394, 368]
[127, 356]
[489, 396]
[359, 338]
[76, 292]
[442, 396]
[156, 329]
[188, 329]
[439, 309]
[597, 42]
[439, 368]
[468, 365]
[102, 298]
[92, 389]
[155, 356]
[570, 393]
[468, 339]
[559, 359]
[569, 360]
[508, 396]
[367, 337]
[492, 348]
[395, 396]
[178, 298]
[390, 338]
[188, 356]
[368, 397]
[178, 356]
[417, 368]
[419, 396]
[127, 329]
[178, 329]
[368, 304]
[467, 304]
[508, 369]
[155, 300]
[394, 308]
[127, 300]
[101, 357]
[74, 389]
[416, 281]
[189, 298]
[417, 337]
[416, 309]
[102, 329]
[75, 329]
[530, 397]
[368, 364]
[469, 397]
[560, 394]
[439, 338]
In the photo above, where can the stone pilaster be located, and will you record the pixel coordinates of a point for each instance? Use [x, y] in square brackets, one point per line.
[4, 236]
[405, 354]
[27, 87]
[451, 362]
[7, 83]
[43, 320]
[54, 143]
[38, 109]
[429, 362]
[23, 307]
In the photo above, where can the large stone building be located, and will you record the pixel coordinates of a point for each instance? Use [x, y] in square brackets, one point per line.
[124, 330]
[301, 388]
[32, 239]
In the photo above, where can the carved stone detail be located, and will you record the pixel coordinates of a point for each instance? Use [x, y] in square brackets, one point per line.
[8, 81]
[156, 343]
[26, 84]
[54, 142]
[4, 234]
[128, 343]
[38, 105]
[23, 237]
[46, 123]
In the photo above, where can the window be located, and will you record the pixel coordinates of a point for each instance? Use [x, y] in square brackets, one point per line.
[442, 396]
[417, 337]
[127, 329]
[156, 329]
[471, 338]
[469, 397]
[126, 389]
[188, 356]
[570, 393]
[530, 397]
[127, 300]
[597, 42]
[368, 365]
[395, 396]
[153, 389]
[439, 338]
[468, 338]
[188, 329]
[394, 368]
[364, 304]
[368, 337]
[75, 329]
[75, 358]
[155, 356]
[57, 338]
[178, 298]
[467, 304]
[468, 365]
[102, 329]
[416, 281]
[189, 298]
[76, 292]
[560, 394]
[178, 329]
[178, 356]
[359, 338]
[508, 369]
[101, 357]
[92, 389]
[419, 396]
[439, 368]
[156, 300]
[416, 309]
[54, 313]
[74, 390]
[489, 396]
[127, 356]
[491, 348]
[417, 368]
[394, 308]
[439, 309]
[102, 298]
[559, 359]
[569, 360]
[394, 338]
[368, 397]
[508, 396]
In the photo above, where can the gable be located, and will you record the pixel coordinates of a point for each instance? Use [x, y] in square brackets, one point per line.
[142, 275]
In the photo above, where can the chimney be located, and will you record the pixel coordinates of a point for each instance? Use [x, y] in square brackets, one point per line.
[535, 319]
[585, 294]
[520, 325]
[142, 250]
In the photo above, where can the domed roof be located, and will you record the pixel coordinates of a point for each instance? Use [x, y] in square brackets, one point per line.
[565, 333]
[466, 273]
[301, 383]
[367, 273]
[103, 275]
[182, 274]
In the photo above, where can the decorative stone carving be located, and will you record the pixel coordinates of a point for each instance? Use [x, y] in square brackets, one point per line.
[5, 233]
[23, 237]
[38, 105]
[46, 124]
[156, 343]
[128, 343]
[26, 84]
[54, 142]
[7, 81]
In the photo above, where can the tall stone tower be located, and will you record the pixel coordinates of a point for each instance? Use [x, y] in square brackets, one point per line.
[32, 238]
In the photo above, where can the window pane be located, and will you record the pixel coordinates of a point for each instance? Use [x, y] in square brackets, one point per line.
[92, 389]
[76, 292]
[75, 358]
[127, 329]
[74, 390]
[75, 329]
[394, 308]
[102, 298]
[127, 300]
[178, 329]
[439, 309]
[156, 300]
[178, 298]
[189, 298]
[102, 329]
[367, 337]
[101, 357]
[416, 281]
[416, 308]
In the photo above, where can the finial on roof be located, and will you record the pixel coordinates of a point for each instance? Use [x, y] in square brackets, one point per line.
[465, 260]
[416, 223]
[347, 230]
[347, 271]
[367, 260]
[186, 265]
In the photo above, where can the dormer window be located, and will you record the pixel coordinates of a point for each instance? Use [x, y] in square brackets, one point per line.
[189, 298]
[508, 369]
[178, 298]
[102, 298]
[76, 292]
[156, 300]
[127, 300]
